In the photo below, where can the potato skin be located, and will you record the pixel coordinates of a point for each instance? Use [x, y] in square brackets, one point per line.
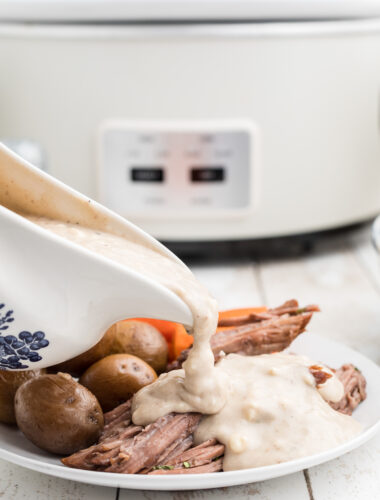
[10, 381]
[142, 340]
[76, 366]
[57, 414]
[115, 378]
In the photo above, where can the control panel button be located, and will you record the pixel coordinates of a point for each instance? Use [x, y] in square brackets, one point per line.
[207, 174]
[147, 174]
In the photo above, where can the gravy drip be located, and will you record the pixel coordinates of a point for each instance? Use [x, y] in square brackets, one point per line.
[200, 389]
[265, 409]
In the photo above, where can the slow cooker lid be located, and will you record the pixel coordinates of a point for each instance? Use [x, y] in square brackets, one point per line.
[183, 10]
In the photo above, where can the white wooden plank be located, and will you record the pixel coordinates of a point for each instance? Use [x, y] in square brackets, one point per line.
[17, 483]
[334, 280]
[291, 487]
[354, 476]
[232, 285]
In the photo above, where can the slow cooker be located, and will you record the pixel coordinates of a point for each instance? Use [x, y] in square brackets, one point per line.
[201, 120]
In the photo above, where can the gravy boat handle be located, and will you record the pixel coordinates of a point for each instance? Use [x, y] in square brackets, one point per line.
[57, 298]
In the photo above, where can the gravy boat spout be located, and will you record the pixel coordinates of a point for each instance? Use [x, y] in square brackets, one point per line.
[57, 298]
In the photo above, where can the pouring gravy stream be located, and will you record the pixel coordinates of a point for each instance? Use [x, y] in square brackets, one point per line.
[265, 409]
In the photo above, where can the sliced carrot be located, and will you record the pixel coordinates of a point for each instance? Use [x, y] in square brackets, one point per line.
[232, 313]
[181, 341]
[236, 313]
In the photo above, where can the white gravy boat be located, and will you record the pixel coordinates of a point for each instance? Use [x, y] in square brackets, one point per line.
[56, 298]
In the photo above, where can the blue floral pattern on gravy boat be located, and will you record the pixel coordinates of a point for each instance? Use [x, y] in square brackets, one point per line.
[14, 350]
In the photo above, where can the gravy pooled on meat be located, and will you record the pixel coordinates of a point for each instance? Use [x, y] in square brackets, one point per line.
[265, 409]
[275, 411]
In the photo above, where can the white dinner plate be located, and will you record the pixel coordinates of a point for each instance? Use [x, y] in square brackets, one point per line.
[17, 449]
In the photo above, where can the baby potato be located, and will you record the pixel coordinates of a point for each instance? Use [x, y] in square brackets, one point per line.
[125, 337]
[57, 414]
[76, 366]
[10, 381]
[115, 378]
[141, 340]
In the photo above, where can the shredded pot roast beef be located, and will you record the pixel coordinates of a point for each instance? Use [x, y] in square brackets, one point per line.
[354, 389]
[166, 446]
[261, 333]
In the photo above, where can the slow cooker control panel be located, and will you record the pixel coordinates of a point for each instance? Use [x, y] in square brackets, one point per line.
[177, 169]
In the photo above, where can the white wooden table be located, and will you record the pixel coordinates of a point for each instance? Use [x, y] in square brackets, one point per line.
[342, 276]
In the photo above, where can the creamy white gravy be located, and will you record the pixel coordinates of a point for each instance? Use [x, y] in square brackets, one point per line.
[274, 412]
[265, 409]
